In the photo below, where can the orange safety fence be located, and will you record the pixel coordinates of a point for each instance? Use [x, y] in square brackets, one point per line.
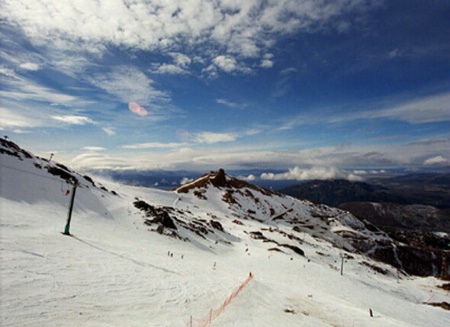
[214, 313]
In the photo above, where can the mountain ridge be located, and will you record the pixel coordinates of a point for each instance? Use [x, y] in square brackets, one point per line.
[422, 188]
[140, 256]
[240, 201]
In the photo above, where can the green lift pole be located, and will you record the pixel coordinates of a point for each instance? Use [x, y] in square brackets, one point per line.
[69, 217]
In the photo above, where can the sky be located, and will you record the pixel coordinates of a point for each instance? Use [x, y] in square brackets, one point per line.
[308, 87]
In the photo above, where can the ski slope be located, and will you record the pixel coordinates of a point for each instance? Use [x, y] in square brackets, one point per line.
[114, 271]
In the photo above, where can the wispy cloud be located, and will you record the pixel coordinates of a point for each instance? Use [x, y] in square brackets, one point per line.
[422, 110]
[300, 174]
[428, 109]
[17, 88]
[169, 69]
[231, 104]
[211, 138]
[109, 130]
[435, 108]
[284, 83]
[289, 70]
[129, 84]
[12, 120]
[153, 145]
[26, 118]
[30, 66]
[74, 120]
[94, 148]
[430, 142]
[99, 160]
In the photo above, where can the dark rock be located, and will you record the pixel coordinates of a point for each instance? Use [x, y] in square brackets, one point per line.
[89, 179]
[219, 180]
[217, 225]
[294, 248]
[68, 177]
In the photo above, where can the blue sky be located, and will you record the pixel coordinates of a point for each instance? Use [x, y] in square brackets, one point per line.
[309, 87]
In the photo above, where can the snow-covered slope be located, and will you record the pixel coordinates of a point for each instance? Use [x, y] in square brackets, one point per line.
[145, 257]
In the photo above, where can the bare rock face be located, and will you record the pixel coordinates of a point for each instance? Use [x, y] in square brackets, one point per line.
[219, 180]
[393, 216]
[420, 231]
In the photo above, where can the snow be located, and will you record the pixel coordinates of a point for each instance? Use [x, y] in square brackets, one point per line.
[115, 272]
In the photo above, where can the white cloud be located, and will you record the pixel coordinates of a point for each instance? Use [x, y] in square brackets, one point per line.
[30, 66]
[74, 120]
[153, 145]
[186, 180]
[266, 63]
[180, 65]
[430, 109]
[97, 160]
[249, 178]
[435, 108]
[226, 63]
[94, 148]
[287, 71]
[211, 138]
[181, 60]
[394, 53]
[129, 84]
[170, 69]
[21, 131]
[382, 171]
[19, 115]
[109, 130]
[10, 119]
[21, 89]
[243, 28]
[7, 71]
[227, 103]
[299, 174]
[360, 172]
[231, 104]
[367, 172]
[437, 161]
[210, 71]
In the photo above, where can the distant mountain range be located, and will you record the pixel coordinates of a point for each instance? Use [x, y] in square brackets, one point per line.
[420, 188]
[413, 209]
